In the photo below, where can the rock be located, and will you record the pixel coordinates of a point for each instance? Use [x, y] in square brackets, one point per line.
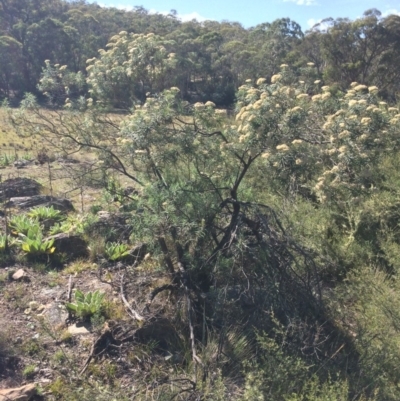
[22, 163]
[103, 214]
[53, 292]
[19, 274]
[112, 226]
[67, 160]
[130, 191]
[26, 202]
[137, 254]
[55, 315]
[23, 393]
[72, 245]
[16, 187]
[78, 329]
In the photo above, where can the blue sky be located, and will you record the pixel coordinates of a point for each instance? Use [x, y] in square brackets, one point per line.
[252, 12]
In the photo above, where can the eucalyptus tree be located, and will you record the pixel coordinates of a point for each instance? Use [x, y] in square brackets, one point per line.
[365, 50]
[11, 73]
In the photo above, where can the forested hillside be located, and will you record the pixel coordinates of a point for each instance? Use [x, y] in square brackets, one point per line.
[212, 59]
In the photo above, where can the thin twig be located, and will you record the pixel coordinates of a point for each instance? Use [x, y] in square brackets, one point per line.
[135, 315]
[69, 288]
[106, 332]
[69, 294]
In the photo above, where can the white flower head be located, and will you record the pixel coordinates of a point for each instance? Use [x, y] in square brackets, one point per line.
[302, 96]
[359, 88]
[297, 142]
[283, 147]
[275, 78]
[199, 106]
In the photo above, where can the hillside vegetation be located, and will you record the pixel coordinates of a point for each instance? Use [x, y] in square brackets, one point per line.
[210, 59]
[241, 253]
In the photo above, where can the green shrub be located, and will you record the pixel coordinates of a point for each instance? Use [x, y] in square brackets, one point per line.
[21, 223]
[6, 241]
[86, 305]
[33, 243]
[115, 251]
[368, 303]
[42, 213]
[29, 371]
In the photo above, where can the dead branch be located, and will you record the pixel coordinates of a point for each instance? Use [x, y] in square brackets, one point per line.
[94, 351]
[69, 288]
[157, 290]
[135, 315]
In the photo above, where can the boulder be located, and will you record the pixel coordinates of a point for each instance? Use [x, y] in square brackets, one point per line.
[56, 314]
[19, 275]
[16, 187]
[111, 226]
[137, 254]
[72, 245]
[24, 393]
[26, 202]
[22, 163]
[78, 329]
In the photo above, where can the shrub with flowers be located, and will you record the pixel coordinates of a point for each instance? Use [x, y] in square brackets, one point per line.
[207, 182]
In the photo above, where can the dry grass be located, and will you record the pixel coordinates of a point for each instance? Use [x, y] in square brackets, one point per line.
[12, 144]
[56, 179]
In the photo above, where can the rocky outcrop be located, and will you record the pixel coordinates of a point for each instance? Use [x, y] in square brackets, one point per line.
[24, 393]
[72, 245]
[17, 187]
[113, 227]
[26, 202]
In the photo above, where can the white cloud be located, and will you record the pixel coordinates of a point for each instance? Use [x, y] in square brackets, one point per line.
[118, 6]
[322, 26]
[153, 11]
[302, 2]
[183, 17]
[390, 12]
[195, 15]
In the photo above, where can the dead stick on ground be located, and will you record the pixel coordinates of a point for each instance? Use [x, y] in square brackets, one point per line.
[69, 288]
[103, 335]
[70, 285]
[131, 311]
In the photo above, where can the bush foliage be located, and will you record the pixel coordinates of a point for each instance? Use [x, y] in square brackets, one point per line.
[280, 221]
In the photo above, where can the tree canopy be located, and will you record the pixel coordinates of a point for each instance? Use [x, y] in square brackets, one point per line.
[212, 59]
